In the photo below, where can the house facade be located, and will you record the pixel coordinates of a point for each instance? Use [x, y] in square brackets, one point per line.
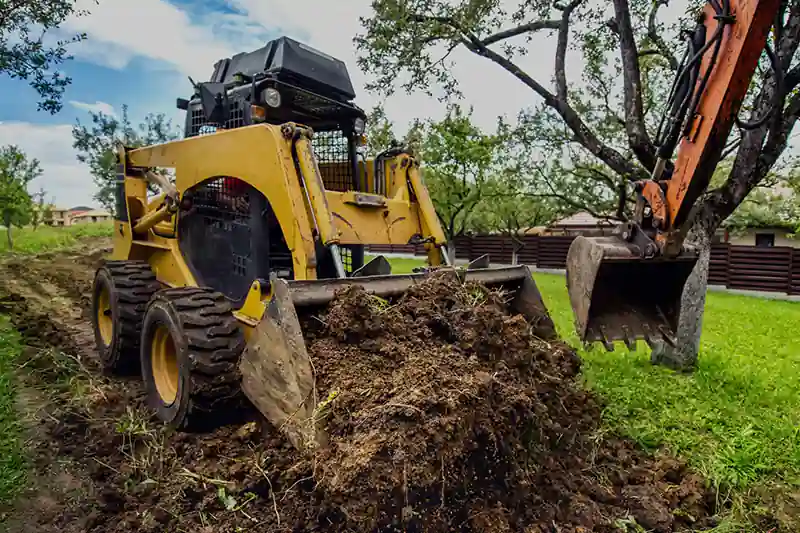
[766, 237]
[59, 217]
[87, 217]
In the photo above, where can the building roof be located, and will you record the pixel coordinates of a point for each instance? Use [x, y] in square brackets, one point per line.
[92, 213]
[581, 219]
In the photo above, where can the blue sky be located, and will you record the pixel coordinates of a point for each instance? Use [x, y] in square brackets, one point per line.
[139, 53]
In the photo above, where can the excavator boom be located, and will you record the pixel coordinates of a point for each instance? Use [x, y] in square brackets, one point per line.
[629, 286]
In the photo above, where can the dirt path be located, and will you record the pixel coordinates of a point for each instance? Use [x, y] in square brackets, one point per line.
[102, 463]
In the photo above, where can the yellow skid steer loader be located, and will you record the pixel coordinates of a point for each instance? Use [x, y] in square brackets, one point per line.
[269, 211]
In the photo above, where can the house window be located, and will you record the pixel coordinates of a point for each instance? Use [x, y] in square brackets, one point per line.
[765, 239]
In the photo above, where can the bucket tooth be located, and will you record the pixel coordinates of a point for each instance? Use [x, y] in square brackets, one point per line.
[667, 336]
[607, 344]
[630, 341]
[649, 337]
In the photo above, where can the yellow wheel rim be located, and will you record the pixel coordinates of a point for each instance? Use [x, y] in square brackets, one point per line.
[105, 323]
[165, 365]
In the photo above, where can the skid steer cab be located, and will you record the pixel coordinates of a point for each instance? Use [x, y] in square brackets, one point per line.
[270, 209]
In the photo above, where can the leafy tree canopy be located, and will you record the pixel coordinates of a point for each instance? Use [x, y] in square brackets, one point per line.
[16, 172]
[27, 53]
[96, 144]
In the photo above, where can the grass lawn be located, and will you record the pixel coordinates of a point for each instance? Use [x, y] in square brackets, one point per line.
[44, 238]
[12, 458]
[736, 418]
[400, 265]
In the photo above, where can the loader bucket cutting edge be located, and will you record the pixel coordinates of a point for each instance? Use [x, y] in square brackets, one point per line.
[618, 296]
[277, 371]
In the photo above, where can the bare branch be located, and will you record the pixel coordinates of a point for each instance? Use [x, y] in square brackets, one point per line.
[731, 147]
[638, 139]
[519, 30]
[564, 198]
[596, 175]
[583, 134]
[561, 50]
[652, 32]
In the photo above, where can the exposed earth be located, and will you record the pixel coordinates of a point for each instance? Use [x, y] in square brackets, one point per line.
[445, 413]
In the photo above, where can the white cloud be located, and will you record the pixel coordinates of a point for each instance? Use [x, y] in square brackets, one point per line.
[331, 27]
[119, 30]
[97, 107]
[190, 42]
[63, 177]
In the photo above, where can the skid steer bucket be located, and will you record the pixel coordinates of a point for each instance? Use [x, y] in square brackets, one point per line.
[277, 372]
[616, 295]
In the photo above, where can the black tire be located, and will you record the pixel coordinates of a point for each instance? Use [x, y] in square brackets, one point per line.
[123, 289]
[204, 382]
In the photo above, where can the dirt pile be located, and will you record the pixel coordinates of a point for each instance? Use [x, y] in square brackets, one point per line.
[444, 412]
[447, 413]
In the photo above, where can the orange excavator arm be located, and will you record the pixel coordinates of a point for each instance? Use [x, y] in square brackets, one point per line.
[629, 286]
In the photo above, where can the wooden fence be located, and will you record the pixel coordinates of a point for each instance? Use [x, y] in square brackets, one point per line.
[736, 267]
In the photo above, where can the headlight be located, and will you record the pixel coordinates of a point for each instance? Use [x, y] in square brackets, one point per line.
[359, 126]
[272, 97]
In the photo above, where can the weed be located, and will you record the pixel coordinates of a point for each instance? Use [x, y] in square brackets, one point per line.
[379, 305]
[322, 410]
[142, 445]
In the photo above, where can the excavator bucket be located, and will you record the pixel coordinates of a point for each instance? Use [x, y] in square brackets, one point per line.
[277, 371]
[616, 295]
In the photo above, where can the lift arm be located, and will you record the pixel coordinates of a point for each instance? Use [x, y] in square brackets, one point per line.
[723, 53]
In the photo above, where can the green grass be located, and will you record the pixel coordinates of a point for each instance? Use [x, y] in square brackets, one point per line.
[736, 418]
[400, 265]
[46, 238]
[12, 458]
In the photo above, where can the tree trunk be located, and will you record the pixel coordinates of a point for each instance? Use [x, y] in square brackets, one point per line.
[451, 252]
[684, 355]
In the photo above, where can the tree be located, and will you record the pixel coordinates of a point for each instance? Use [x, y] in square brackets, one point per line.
[510, 206]
[16, 172]
[413, 40]
[39, 209]
[457, 159]
[97, 144]
[47, 212]
[380, 132]
[24, 52]
[777, 207]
